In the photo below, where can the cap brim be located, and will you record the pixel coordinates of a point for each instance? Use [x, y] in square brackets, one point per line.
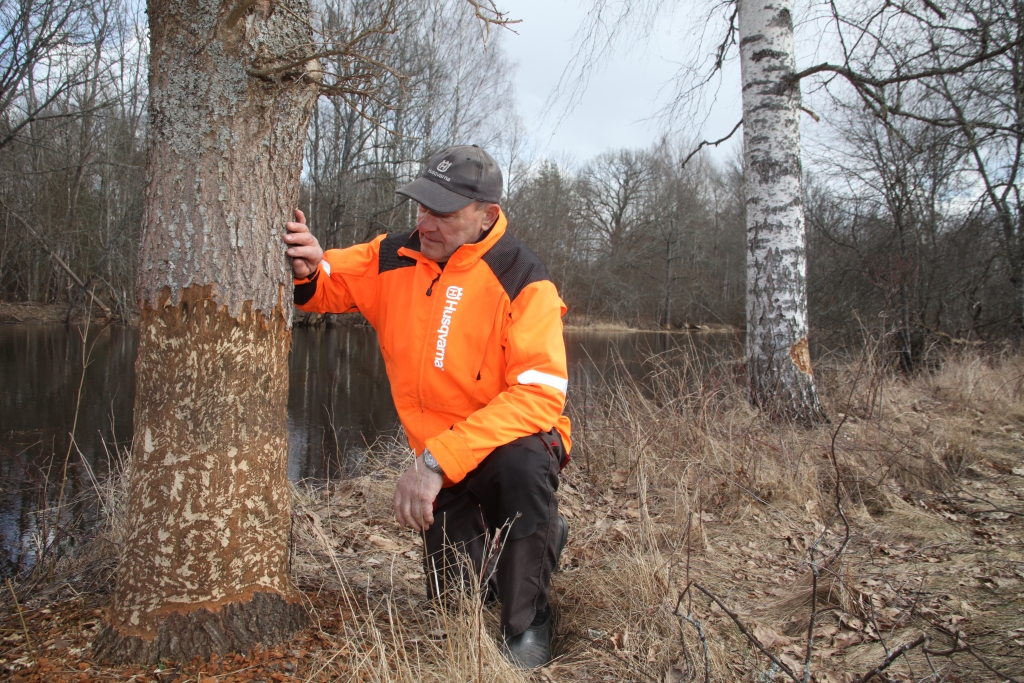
[436, 198]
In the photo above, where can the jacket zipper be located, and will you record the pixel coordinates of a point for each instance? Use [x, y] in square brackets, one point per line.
[426, 348]
[430, 289]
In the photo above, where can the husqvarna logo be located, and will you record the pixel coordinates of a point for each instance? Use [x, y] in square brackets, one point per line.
[452, 297]
[444, 166]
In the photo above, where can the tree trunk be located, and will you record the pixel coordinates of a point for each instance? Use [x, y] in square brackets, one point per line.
[778, 358]
[667, 320]
[205, 560]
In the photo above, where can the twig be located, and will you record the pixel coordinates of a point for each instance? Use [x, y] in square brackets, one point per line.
[814, 614]
[746, 632]
[860, 81]
[488, 13]
[960, 645]
[86, 359]
[817, 119]
[932, 6]
[893, 656]
[237, 12]
[716, 143]
[28, 641]
[700, 635]
[839, 491]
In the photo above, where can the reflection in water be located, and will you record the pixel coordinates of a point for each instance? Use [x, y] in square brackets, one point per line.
[596, 355]
[40, 372]
[339, 402]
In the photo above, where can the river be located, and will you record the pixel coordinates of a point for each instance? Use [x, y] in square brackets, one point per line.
[339, 402]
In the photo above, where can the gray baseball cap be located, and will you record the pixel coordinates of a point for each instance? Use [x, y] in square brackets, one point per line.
[455, 177]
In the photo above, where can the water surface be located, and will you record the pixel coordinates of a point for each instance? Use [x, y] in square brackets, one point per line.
[339, 402]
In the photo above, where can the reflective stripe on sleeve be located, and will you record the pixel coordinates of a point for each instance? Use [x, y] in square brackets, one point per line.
[538, 377]
[326, 266]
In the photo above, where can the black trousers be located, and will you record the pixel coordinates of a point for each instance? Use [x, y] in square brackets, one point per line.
[515, 484]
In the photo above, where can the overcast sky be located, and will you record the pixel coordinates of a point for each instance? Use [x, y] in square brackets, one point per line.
[624, 95]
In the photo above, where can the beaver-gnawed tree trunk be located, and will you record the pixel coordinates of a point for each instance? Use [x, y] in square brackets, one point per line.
[205, 566]
[778, 359]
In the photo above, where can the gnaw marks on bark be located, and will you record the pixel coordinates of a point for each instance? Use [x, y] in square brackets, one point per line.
[267, 618]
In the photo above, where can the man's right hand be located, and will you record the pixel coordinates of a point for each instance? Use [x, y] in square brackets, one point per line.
[303, 249]
[414, 496]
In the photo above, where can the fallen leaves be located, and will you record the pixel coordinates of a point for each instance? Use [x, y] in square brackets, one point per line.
[770, 638]
[384, 543]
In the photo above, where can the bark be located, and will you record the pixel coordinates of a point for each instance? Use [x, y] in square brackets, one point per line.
[204, 566]
[778, 358]
[667, 320]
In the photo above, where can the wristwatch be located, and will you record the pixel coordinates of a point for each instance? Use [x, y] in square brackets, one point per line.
[431, 463]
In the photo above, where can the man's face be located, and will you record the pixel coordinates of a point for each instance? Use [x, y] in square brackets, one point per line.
[442, 233]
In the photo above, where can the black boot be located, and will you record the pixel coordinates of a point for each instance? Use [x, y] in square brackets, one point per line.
[563, 538]
[531, 648]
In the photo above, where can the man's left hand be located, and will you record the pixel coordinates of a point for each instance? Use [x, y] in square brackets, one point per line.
[414, 496]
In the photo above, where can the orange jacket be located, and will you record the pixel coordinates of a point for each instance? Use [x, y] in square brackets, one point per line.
[474, 353]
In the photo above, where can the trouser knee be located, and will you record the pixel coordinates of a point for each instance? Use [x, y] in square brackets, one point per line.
[515, 485]
[512, 490]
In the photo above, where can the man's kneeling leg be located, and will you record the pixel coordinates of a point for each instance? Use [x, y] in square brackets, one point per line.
[512, 490]
[516, 487]
[457, 535]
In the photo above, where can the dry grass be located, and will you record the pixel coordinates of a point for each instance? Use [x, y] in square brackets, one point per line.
[686, 483]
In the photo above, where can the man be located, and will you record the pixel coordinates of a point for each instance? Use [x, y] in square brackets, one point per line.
[470, 327]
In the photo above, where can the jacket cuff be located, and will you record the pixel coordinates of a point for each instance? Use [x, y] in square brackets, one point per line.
[305, 288]
[452, 454]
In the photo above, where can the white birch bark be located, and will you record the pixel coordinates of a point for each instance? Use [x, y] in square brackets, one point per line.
[778, 359]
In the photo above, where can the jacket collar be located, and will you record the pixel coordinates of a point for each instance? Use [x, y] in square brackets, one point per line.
[466, 255]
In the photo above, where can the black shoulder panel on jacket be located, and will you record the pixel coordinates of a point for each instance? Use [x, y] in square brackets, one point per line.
[389, 258]
[515, 265]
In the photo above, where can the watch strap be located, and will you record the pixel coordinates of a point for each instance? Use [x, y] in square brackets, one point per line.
[431, 463]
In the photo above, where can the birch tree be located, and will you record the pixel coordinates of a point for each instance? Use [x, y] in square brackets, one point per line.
[778, 356]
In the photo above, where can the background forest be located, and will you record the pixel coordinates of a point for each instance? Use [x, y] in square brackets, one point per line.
[899, 230]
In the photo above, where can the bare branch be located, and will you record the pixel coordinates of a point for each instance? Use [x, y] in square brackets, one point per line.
[488, 13]
[746, 632]
[860, 79]
[238, 11]
[893, 656]
[716, 143]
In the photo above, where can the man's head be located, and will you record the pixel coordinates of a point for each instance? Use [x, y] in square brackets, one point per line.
[458, 193]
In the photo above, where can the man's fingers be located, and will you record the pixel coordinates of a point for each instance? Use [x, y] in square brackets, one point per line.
[403, 512]
[397, 507]
[300, 217]
[428, 514]
[303, 252]
[405, 506]
[417, 515]
[414, 498]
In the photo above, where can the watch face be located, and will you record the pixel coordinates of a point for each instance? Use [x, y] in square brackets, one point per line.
[431, 463]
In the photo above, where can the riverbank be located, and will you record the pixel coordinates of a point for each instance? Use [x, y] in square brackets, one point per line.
[685, 487]
[18, 312]
[604, 326]
[27, 312]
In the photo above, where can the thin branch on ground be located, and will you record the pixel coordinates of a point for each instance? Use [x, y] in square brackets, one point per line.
[893, 656]
[745, 631]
